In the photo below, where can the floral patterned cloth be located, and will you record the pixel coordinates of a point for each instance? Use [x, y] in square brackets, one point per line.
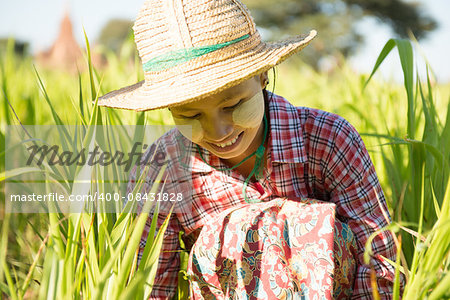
[280, 249]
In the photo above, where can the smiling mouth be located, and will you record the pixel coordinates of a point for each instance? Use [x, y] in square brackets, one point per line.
[228, 145]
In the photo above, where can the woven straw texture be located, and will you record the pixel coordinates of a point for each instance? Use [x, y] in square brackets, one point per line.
[163, 26]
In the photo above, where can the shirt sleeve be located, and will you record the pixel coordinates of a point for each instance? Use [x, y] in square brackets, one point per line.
[166, 280]
[356, 191]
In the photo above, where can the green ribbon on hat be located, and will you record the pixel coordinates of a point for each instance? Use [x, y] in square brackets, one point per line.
[176, 57]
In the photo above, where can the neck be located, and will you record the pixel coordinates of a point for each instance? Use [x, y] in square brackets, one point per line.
[246, 167]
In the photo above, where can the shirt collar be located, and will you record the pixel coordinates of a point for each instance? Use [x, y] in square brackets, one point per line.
[286, 133]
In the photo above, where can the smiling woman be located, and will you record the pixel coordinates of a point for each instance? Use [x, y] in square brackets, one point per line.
[278, 200]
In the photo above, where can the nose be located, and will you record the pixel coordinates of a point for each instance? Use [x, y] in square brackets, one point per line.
[217, 128]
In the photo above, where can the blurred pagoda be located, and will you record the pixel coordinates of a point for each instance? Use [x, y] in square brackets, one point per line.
[65, 54]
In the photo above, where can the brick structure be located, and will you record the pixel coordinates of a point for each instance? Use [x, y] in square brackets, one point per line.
[65, 53]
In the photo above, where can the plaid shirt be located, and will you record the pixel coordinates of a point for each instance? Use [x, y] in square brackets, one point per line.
[311, 154]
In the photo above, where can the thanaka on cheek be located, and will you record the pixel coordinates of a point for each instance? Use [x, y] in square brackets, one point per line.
[190, 128]
[250, 113]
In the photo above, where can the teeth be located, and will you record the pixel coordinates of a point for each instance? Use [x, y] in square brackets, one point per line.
[229, 143]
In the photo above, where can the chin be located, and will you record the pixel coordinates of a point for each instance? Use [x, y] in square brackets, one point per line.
[238, 153]
[227, 155]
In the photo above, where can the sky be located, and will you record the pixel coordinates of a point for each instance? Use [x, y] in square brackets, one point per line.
[38, 23]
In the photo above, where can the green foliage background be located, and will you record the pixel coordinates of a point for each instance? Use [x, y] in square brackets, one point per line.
[406, 128]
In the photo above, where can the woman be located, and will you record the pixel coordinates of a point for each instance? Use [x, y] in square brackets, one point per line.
[247, 164]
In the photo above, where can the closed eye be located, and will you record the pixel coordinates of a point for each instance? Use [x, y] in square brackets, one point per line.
[234, 106]
[191, 117]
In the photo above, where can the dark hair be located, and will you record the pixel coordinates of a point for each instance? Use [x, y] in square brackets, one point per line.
[267, 95]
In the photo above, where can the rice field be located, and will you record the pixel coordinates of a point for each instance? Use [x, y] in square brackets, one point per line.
[92, 255]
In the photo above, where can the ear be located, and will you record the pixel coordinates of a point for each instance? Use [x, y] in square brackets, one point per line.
[263, 79]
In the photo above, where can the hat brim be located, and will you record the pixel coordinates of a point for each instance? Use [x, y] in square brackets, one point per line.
[200, 83]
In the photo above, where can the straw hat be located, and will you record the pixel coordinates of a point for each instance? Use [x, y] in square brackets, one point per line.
[191, 49]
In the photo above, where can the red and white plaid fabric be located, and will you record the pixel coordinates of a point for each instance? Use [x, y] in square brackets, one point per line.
[311, 154]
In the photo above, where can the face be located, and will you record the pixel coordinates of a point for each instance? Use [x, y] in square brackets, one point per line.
[230, 123]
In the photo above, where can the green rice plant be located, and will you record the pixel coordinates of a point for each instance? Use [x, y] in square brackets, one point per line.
[422, 210]
[85, 255]
[430, 272]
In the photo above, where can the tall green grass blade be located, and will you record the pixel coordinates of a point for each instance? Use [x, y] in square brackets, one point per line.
[55, 115]
[80, 98]
[134, 289]
[430, 131]
[406, 58]
[441, 291]
[81, 118]
[417, 251]
[435, 202]
[396, 287]
[92, 242]
[72, 246]
[18, 171]
[154, 255]
[440, 158]
[91, 77]
[11, 287]
[55, 226]
[4, 85]
[396, 264]
[183, 281]
[27, 281]
[4, 289]
[150, 239]
[441, 241]
[4, 244]
[386, 50]
[49, 261]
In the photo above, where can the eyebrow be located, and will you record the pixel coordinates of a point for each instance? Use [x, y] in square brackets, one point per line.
[234, 98]
[230, 98]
